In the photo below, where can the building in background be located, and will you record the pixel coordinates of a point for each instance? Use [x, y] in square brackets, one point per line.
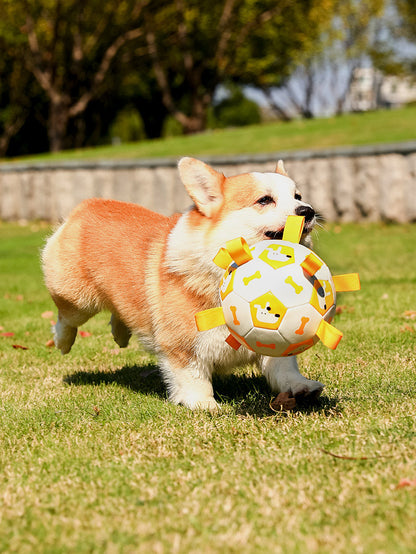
[370, 90]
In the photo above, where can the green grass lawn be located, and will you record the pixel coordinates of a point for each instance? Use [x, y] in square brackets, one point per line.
[95, 460]
[382, 126]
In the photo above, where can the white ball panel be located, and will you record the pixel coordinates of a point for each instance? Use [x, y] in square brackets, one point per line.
[291, 286]
[237, 313]
[253, 279]
[300, 323]
[266, 342]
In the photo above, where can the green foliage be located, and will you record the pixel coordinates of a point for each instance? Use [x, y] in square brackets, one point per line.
[67, 53]
[128, 126]
[406, 28]
[178, 53]
[236, 110]
[94, 459]
[172, 128]
[67, 73]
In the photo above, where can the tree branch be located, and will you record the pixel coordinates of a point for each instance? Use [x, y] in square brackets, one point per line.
[43, 76]
[188, 59]
[278, 108]
[224, 29]
[10, 129]
[263, 18]
[101, 73]
[162, 80]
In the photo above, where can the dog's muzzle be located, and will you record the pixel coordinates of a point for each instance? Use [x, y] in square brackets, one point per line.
[307, 212]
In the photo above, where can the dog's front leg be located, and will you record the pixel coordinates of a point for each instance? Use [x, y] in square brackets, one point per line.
[189, 385]
[283, 375]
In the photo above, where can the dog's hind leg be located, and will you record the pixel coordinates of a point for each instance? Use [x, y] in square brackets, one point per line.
[121, 333]
[69, 319]
[64, 335]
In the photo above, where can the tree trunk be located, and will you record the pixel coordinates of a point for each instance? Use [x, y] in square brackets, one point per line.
[196, 122]
[57, 125]
[10, 129]
[193, 124]
[281, 113]
[153, 114]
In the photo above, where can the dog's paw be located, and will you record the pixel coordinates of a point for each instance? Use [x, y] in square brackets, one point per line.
[121, 333]
[307, 389]
[208, 404]
[64, 337]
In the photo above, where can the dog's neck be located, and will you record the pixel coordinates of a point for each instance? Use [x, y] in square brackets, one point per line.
[190, 255]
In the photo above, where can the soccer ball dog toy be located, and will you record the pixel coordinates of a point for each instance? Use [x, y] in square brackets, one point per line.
[277, 297]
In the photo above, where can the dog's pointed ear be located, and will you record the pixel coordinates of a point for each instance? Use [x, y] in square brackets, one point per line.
[203, 184]
[280, 168]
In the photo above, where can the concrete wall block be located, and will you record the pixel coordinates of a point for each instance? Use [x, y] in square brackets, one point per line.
[84, 185]
[367, 197]
[297, 170]
[410, 188]
[143, 187]
[393, 169]
[182, 200]
[343, 184]
[343, 187]
[64, 198]
[25, 205]
[165, 190]
[123, 184]
[43, 196]
[11, 194]
[103, 182]
[319, 181]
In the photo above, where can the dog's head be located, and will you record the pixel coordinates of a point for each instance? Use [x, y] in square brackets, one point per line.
[252, 205]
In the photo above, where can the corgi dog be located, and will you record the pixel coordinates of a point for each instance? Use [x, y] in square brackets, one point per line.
[154, 273]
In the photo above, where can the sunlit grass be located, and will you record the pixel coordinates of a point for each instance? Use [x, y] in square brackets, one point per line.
[94, 459]
[384, 126]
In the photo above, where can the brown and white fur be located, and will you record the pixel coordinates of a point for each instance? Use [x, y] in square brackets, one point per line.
[154, 273]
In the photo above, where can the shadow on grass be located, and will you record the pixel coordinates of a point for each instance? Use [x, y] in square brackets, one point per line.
[142, 379]
[251, 395]
[247, 395]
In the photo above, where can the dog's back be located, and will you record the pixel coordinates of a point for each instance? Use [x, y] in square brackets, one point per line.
[101, 257]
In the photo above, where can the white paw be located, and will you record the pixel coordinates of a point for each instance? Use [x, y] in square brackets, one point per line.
[208, 404]
[304, 388]
[64, 337]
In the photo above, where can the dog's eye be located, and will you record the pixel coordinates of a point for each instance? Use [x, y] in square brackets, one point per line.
[265, 200]
[298, 196]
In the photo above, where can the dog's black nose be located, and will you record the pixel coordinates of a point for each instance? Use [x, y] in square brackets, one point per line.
[307, 212]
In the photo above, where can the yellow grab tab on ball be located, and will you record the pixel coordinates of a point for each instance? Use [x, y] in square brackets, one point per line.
[239, 250]
[208, 319]
[293, 228]
[347, 282]
[223, 258]
[311, 264]
[328, 335]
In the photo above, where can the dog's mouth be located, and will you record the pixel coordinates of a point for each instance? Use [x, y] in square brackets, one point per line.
[278, 235]
[274, 235]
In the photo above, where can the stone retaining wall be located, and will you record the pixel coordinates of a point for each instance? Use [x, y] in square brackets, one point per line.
[344, 184]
